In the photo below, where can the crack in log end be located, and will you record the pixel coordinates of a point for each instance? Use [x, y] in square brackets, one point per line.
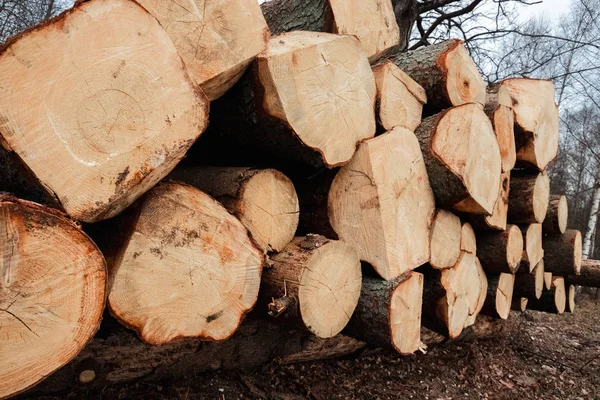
[214, 317]
[20, 320]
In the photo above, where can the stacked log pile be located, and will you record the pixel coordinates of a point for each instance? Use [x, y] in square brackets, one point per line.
[342, 193]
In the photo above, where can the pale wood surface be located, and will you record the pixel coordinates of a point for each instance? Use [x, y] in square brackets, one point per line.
[496, 221]
[553, 300]
[101, 124]
[498, 107]
[501, 251]
[530, 284]
[468, 242]
[52, 292]
[533, 252]
[446, 237]
[187, 268]
[528, 197]
[557, 215]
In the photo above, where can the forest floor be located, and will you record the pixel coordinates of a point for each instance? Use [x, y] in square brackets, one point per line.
[544, 357]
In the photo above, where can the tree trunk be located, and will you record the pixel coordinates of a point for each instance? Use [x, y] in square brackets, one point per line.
[528, 198]
[590, 274]
[591, 225]
[446, 72]
[562, 253]
[468, 242]
[557, 215]
[185, 268]
[498, 107]
[530, 284]
[381, 203]
[389, 313]
[52, 292]
[289, 117]
[116, 356]
[536, 120]
[265, 201]
[216, 40]
[314, 283]
[496, 221]
[446, 236]
[88, 137]
[553, 300]
[501, 252]
[462, 158]
[534, 250]
[499, 295]
[399, 99]
[372, 21]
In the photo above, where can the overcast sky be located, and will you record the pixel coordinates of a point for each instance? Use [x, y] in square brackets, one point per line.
[548, 8]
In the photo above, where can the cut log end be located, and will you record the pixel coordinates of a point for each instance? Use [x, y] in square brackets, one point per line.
[446, 235]
[530, 284]
[534, 251]
[504, 294]
[547, 280]
[464, 83]
[51, 305]
[519, 304]
[185, 256]
[499, 108]
[405, 314]
[347, 100]
[501, 251]
[557, 215]
[528, 198]
[111, 147]
[570, 307]
[468, 242]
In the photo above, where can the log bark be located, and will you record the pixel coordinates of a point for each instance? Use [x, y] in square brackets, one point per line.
[530, 284]
[557, 215]
[446, 72]
[389, 313]
[501, 252]
[536, 120]
[553, 300]
[519, 304]
[498, 107]
[451, 296]
[186, 268]
[468, 242]
[534, 250]
[462, 158]
[87, 137]
[314, 283]
[372, 21]
[589, 276]
[52, 292]
[446, 236]
[309, 101]
[217, 40]
[399, 100]
[563, 253]
[496, 221]
[264, 200]
[116, 356]
[499, 295]
[381, 203]
[528, 198]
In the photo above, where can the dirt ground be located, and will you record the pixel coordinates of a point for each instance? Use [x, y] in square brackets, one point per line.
[545, 357]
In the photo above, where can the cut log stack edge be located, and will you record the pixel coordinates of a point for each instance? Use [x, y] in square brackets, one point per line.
[325, 147]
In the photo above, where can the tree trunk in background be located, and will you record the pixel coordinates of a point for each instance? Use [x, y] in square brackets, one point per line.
[591, 225]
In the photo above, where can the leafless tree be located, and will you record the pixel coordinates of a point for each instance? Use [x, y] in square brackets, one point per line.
[18, 15]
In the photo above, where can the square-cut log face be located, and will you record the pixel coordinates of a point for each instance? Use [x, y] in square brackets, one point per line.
[98, 105]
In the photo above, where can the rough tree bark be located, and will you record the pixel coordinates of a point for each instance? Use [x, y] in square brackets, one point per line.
[591, 225]
[557, 215]
[590, 274]
[553, 300]
[562, 253]
[530, 284]
[529, 197]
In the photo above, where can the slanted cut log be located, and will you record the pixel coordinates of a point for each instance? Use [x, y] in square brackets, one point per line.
[381, 203]
[389, 313]
[533, 252]
[519, 303]
[548, 279]
[97, 131]
[217, 40]
[536, 120]
[528, 197]
[52, 292]
[553, 300]
[589, 276]
[557, 215]
[571, 292]
[446, 237]
[399, 100]
[264, 200]
[530, 284]
[462, 158]
[372, 21]
[562, 253]
[185, 268]
[314, 283]
[476, 301]
[496, 221]
[468, 242]
[499, 296]
[498, 107]
[308, 103]
[451, 296]
[447, 73]
[501, 252]
[117, 356]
